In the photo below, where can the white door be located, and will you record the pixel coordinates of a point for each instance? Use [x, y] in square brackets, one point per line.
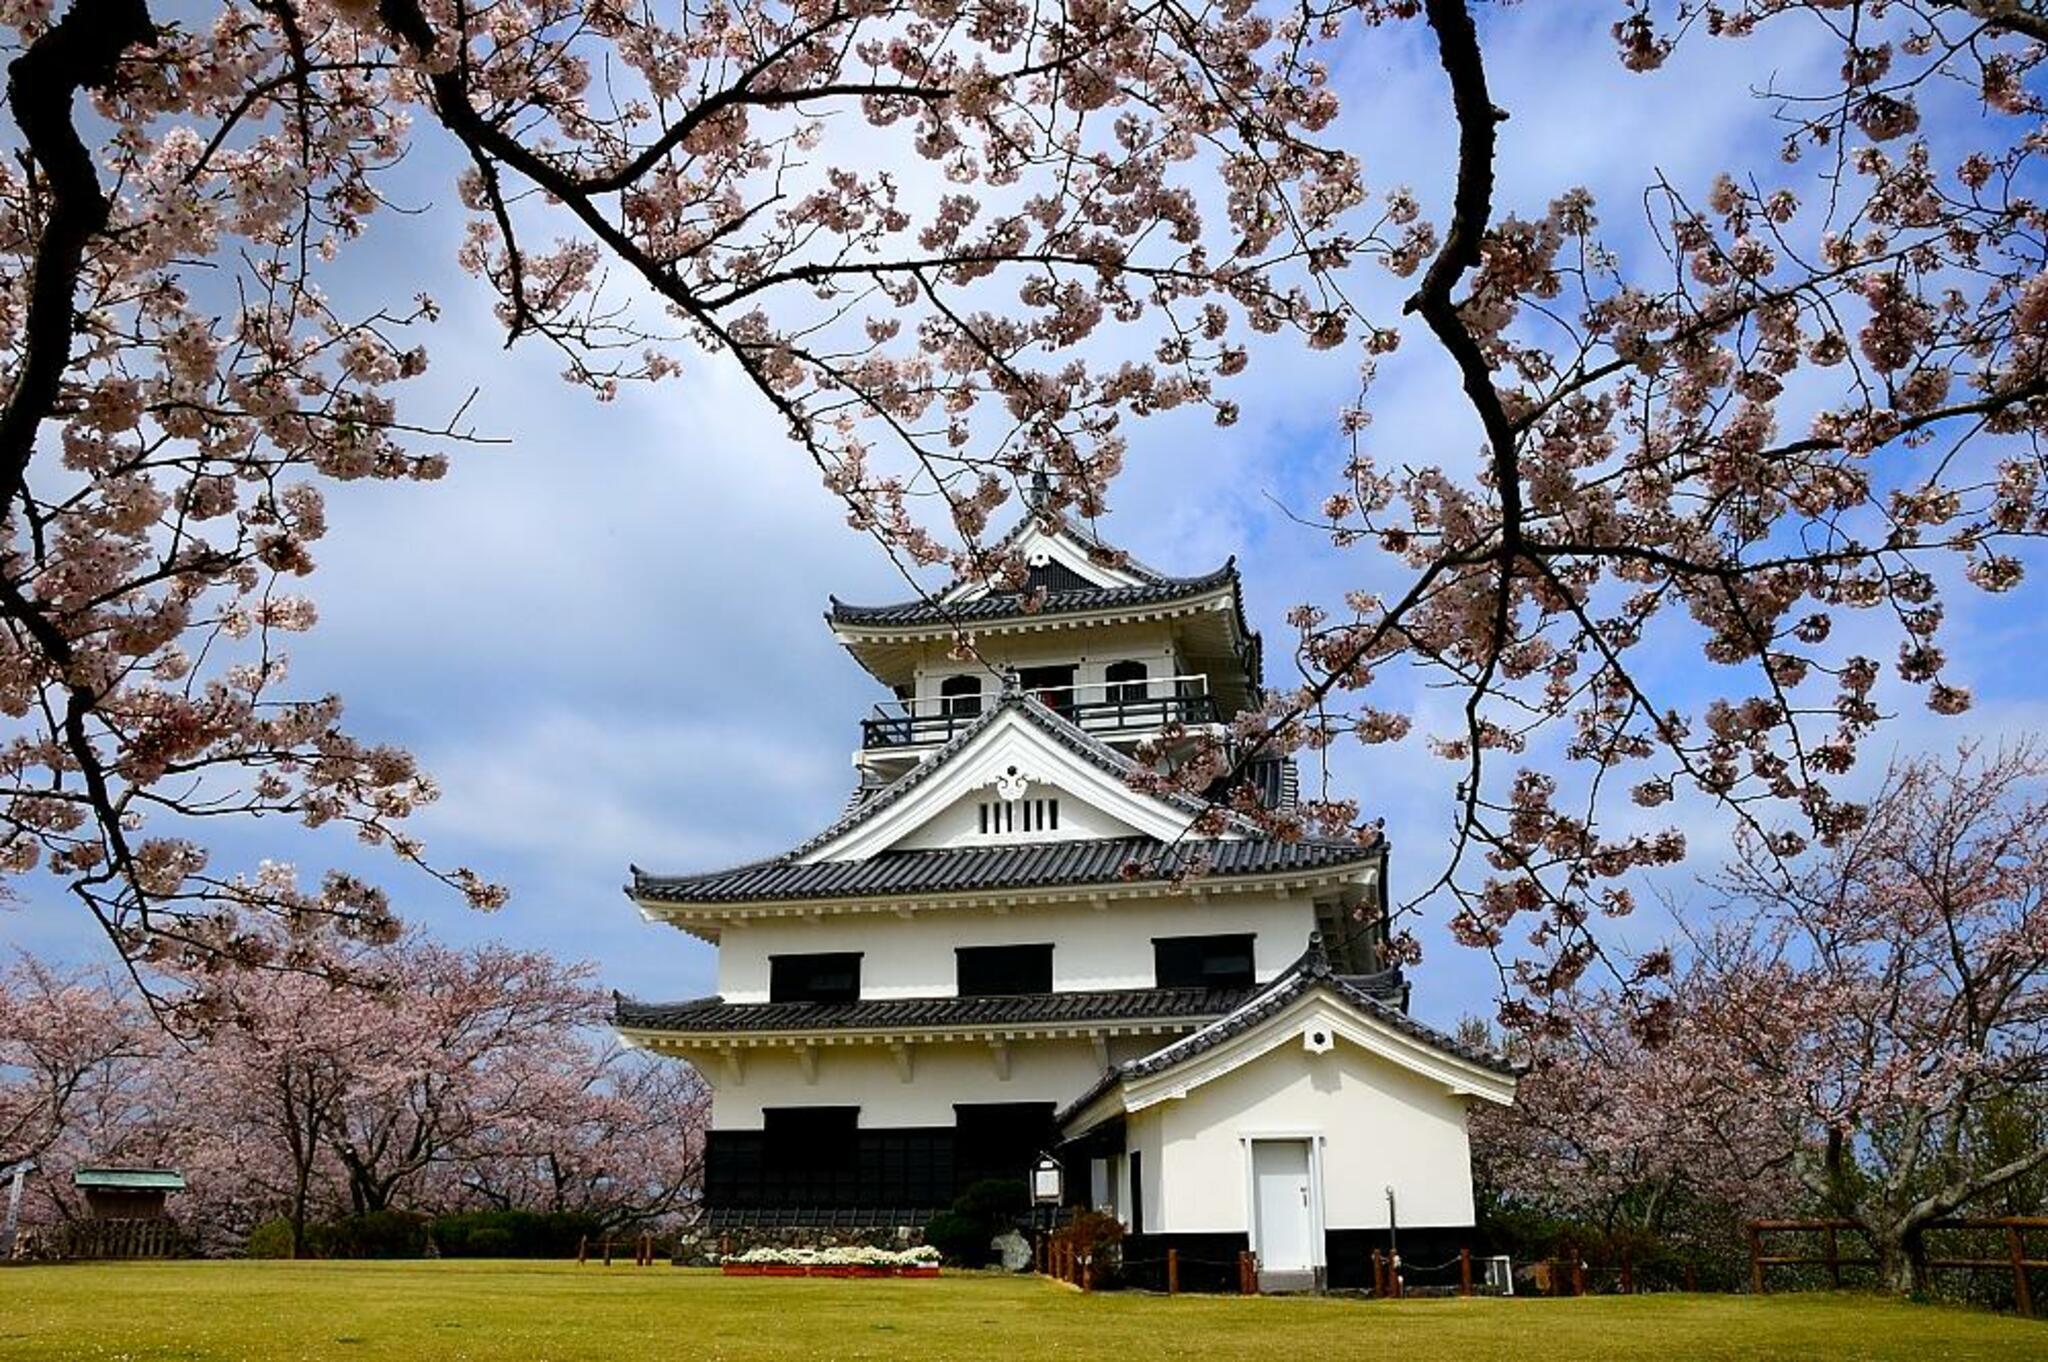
[1280, 1188]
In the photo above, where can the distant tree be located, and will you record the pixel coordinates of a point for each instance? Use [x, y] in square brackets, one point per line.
[1884, 1007]
[605, 1132]
[70, 1050]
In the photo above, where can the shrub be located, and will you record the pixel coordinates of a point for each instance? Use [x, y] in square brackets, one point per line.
[962, 1239]
[513, 1234]
[375, 1234]
[271, 1239]
[987, 1208]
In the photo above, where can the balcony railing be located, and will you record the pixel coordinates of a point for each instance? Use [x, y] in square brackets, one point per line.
[1100, 707]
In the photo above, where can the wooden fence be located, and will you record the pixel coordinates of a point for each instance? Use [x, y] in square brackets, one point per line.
[156, 1238]
[2012, 1228]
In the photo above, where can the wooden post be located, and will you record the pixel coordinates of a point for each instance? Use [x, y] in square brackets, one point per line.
[1394, 1273]
[582, 1250]
[1465, 1270]
[1087, 1273]
[1173, 1272]
[2022, 1294]
[1247, 1273]
[1834, 1257]
[1756, 1260]
[607, 1250]
[1379, 1274]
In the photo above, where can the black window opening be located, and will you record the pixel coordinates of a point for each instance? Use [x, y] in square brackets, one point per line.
[991, 971]
[804, 1144]
[1203, 961]
[824, 978]
[1127, 682]
[1137, 1191]
[1052, 687]
[960, 696]
[1001, 1140]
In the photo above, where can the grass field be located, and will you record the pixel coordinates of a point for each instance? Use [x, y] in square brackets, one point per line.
[557, 1312]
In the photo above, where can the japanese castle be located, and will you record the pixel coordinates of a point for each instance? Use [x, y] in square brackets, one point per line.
[1004, 947]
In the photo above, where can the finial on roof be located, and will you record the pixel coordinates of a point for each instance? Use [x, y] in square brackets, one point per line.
[1041, 490]
[1315, 961]
[1013, 684]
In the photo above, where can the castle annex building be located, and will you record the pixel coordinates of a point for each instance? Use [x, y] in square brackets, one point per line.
[996, 952]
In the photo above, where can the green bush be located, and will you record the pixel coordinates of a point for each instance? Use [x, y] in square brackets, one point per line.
[375, 1234]
[271, 1239]
[962, 1239]
[987, 1208]
[513, 1234]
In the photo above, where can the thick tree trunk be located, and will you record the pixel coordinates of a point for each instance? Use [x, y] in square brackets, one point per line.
[1901, 1259]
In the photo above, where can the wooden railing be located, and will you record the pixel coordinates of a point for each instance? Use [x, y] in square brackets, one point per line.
[932, 722]
[2012, 1228]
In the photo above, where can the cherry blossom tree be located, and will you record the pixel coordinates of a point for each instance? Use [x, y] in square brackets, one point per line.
[1813, 403]
[180, 382]
[1640, 1142]
[1878, 1005]
[70, 1049]
[611, 1134]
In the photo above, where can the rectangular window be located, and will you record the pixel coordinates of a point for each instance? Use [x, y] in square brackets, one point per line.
[805, 1140]
[988, 971]
[1203, 961]
[824, 978]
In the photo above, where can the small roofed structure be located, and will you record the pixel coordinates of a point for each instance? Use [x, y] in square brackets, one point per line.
[125, 1214]
[127, 1193]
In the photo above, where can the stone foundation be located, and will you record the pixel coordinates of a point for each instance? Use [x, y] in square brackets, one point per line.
[702, 1246]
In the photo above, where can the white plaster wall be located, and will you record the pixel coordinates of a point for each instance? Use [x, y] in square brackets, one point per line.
[942, 1073]
[1091, 651]
[1093, 948]
[1381, 1126]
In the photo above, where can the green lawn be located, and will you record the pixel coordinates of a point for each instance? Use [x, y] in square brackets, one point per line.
[530, 1312]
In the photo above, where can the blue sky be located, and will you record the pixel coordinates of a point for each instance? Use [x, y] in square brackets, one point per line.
[603, 636]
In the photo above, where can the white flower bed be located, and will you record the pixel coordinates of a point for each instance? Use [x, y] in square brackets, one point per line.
[851, 1255]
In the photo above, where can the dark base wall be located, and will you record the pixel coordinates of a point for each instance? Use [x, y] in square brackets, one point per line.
[1424, 1252]
[1208, 1262]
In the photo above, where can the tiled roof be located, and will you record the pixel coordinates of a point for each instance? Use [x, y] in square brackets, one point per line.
[716, 1016]
[1370, 993]
[1003, 604]
[1031, 865]
[1018, 866]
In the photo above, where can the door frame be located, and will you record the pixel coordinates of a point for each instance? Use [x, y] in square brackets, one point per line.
[1317, 1233]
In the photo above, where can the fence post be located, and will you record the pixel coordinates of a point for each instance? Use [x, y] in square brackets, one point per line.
[1394, 1273]
[1173, 1272]
[582, 1249]
[607, 1250]
[1465, 1270]
[1628, 1276]
[1578, 1275]
[1379, 1274]
[1087, 1273]
[1756, 1260]
[2023, 1294]
[1247, 1273]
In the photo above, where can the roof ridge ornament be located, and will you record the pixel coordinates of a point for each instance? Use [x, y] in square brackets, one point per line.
[1041, 489]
